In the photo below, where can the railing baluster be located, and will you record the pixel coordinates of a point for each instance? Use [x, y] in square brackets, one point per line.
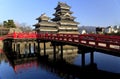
[101, 41]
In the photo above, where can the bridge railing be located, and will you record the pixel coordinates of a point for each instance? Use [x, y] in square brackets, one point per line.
[31, 35]
[101, 41]
[94, 40]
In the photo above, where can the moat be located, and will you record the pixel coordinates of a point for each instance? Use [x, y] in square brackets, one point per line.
[42, 69]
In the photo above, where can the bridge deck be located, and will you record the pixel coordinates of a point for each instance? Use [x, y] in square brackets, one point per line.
[104, 42]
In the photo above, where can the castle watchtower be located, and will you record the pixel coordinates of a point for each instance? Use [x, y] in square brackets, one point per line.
[64, 19]
[44, 25]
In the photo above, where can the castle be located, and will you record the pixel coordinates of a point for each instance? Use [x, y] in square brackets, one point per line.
[63, 21]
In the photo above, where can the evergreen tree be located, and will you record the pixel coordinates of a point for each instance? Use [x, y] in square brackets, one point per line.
[5, 23]
[9, 24]
[1, 25]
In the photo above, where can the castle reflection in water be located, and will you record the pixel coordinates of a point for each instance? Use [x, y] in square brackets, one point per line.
[104, 67]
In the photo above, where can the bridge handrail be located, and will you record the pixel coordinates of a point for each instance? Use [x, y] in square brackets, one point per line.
[85, 39]
[75, 36]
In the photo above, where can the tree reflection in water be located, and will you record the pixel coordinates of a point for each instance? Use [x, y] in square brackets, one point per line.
[66, 70]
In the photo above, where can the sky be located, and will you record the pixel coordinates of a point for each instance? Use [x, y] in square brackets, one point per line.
[87, 12]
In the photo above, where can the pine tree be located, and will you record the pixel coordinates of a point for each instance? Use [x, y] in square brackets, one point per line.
[9, 24]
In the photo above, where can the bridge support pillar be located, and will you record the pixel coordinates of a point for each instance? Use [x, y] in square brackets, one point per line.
[54, 52]
[21, 48]
[82, 52]
[29, 48]
[83, 59]
[38, 48]
[9, 45]
[26, 48]
[91, 57]
[44, 48]
[61, 51]
[18, 50]
[34, 47]
[14, 47]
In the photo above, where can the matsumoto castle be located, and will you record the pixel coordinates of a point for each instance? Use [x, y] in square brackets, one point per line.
[63, 21]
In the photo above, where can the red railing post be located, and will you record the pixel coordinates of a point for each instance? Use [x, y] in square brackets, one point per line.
[14, 35]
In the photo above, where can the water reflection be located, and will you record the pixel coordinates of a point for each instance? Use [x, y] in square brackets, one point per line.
[108, 62]
[104, 67]
[27, 69]
[103, 61]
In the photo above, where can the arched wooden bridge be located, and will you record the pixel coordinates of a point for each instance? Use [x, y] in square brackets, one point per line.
[102, 42]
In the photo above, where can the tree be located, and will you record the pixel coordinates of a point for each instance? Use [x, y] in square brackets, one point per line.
[1, 25]
[5, 23]
[24, 27]
[9, 24]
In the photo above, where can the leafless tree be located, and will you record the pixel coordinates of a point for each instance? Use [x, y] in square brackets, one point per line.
[24, 27]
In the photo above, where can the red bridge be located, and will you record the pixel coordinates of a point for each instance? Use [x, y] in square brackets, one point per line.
[102, 42]
[90, 42]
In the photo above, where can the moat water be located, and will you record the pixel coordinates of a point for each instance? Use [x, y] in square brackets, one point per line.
[35, 70]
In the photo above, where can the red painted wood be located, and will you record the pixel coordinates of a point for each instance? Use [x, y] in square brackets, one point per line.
[83, 39]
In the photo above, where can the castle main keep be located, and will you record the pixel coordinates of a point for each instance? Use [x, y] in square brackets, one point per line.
[63, 21]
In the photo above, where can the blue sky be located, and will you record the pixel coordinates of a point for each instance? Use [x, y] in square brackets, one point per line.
[88, 12]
